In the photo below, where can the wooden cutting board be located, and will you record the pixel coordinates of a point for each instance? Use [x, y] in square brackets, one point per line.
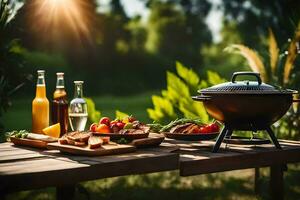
[28, 142]
[154, 139]
[107, 149]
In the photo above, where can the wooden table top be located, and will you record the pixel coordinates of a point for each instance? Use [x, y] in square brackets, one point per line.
[24, 168]
[196, 157]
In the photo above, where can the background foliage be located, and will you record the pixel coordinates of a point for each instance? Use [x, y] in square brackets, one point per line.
[175, 101]
[12, 72]
[125, 60]
[127, 49]
[137, 51]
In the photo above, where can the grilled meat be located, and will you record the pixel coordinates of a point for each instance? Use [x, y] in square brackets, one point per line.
[95, 142]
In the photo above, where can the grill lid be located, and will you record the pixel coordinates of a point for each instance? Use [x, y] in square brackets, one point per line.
[245, 87]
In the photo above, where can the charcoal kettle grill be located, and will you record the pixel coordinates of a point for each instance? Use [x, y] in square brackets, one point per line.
[246, 105]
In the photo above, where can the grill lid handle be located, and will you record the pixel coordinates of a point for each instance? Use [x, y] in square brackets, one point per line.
[257, 75]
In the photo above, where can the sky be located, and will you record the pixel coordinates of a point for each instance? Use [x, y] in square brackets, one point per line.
[137, 7]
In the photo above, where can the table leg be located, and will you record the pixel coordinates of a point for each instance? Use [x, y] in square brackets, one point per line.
[257, 180]
[276, 182]
[65, 192]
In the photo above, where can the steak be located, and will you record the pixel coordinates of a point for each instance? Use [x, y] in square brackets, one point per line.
[180, 128]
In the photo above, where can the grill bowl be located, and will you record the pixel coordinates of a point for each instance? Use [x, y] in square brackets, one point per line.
[246, 104]
[247, 109]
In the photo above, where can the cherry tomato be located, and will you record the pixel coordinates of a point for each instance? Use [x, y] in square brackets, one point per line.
[93, 127]
[204, 129]
[105, 120]
[113, 122]
[120, 125]
[214, 127]
[103, 128]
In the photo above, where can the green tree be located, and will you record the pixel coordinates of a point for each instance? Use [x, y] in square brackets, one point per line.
[12, 76]
[176, 30]
[254, 17]
[215, 58]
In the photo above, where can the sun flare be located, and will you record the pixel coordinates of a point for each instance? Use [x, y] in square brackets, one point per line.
[55, 17]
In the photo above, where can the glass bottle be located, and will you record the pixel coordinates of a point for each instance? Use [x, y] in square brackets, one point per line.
[40, 105]
[60, 104]
[78, 109]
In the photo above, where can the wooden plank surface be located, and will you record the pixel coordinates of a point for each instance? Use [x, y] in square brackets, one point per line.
[25, 168]
[107, 149]
[196, 158]
[28, 142]
[51, 168]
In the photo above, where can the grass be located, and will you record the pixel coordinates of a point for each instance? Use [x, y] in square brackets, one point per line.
[166, 185]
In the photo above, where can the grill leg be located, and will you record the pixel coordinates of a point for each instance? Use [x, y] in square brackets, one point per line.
[220, 139]
[273, 138]
[229, 133]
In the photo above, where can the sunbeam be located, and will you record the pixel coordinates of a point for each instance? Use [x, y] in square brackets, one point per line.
[53, 17]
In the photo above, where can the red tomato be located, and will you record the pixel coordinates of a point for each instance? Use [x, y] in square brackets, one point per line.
[113, 122]
[205, 129]
[105, 120]
[210, 128]
[120, 125]
[93, 127]
[103, 128]
[214, 127]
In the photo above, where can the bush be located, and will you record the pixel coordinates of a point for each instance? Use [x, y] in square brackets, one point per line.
[175, 101]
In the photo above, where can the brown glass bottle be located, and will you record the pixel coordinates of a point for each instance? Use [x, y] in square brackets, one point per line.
[60, 105]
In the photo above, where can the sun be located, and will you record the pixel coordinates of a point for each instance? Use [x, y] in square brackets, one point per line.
[55, 17]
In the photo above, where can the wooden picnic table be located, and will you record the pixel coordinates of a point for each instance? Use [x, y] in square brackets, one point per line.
[23, 168]
[196, 158]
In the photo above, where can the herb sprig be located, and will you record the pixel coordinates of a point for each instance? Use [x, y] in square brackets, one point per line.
[17, 134]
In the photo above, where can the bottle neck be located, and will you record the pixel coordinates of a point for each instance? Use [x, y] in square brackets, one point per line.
[41, 79]
[60, 83]
[78, 91]
[41, 86]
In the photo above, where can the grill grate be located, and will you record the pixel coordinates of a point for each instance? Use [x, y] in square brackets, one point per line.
[244, 87]
[239, 88]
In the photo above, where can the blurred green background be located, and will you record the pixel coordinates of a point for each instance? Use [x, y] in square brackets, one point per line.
[124, 48]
